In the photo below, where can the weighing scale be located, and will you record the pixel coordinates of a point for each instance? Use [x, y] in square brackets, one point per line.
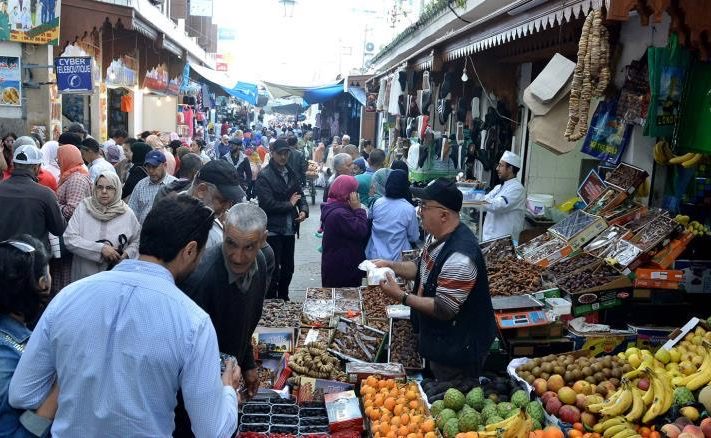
[518, 311]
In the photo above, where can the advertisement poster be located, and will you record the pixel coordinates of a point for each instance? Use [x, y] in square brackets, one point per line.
[156, 79]
[10, 81]
[74, 74]
[591, 187]
[33, 22]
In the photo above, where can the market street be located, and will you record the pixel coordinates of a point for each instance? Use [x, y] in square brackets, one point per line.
[307, 259]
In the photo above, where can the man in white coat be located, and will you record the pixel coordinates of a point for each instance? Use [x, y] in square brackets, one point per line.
[505, 204]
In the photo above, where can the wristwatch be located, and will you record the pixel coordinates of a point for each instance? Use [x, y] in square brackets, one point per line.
[404, 299]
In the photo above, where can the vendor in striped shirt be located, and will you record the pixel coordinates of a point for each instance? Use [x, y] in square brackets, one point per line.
[451, 309]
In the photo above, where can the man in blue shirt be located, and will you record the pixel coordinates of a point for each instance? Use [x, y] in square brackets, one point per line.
[121, 343]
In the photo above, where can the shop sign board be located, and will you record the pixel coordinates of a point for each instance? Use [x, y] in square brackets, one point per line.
[174, 86]
[23, 23]
[10, 81]
[122, 72]
[156, 79]
[201, 8]
[74, 74]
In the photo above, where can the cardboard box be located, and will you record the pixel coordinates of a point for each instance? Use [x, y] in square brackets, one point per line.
[274, 342]
[357, 372]
[603, 343]
[697, 275]
[656, 284]
[602, 297]
[343, 410]
[311, 389]
[659, 274]
[651, 338]
[666, 256]
[679, 334]
[595, 227]
[629, 216]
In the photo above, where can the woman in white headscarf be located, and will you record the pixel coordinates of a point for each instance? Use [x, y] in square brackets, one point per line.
[103, 230]
[49, 159]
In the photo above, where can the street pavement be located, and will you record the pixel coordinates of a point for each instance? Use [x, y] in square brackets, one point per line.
[307, 259]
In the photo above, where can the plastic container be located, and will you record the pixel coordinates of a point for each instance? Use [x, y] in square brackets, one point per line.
[559, 306]
[538, 203]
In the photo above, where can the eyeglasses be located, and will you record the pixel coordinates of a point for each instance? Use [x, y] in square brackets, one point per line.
[19, 245]
[424, 206]
[105, 188]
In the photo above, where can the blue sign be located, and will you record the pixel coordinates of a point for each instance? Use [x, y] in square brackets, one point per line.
[74, 74]
[225, 34]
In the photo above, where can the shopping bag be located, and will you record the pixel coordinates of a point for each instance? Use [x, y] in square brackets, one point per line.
[694, 133]
[608, 135]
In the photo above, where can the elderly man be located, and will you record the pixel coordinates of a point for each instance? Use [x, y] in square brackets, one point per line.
[343, 165]
[229, 284]
[144, 194]
[451, 303]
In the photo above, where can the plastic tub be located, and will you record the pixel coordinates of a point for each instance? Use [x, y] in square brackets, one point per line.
[538, 203]
[559, 306]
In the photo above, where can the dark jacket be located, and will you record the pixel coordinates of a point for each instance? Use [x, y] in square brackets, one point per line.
[28, 208]
[176, 187]
[136, 174]
[465, 340]
[298, 163]
[273, 194]
[345, 233]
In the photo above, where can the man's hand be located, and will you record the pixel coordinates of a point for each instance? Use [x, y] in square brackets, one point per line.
[110, 254]
[232, 374]
[302, 216]
[390, 287]
[295, 198]
[48, 408]
[251, 379]
[380, 263]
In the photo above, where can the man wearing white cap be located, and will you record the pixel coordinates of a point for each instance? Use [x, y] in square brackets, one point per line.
[28, 207]
[505, 203]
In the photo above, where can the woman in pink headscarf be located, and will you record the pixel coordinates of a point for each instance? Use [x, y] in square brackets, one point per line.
[345, 233]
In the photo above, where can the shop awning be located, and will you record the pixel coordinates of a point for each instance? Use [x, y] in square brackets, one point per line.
[241, 90]
[311, 95]
[286, 105]
[358, 93]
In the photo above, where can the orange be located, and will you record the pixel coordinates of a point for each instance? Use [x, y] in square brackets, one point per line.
[645, 432]
[471, 435]
[383, 429]
[389, 404]
[395, 422]
[371, 381]
[575, 433]
[552, 432]
[404, 419]
[402, 401]
[402, 431]
[419, 435]
[397, 410]
[374, 414]
[411, 435]
[391, 434]
[428, 425]
[414, 404]
[579, 426]
[411, 395]
[379, 399]
[412, 427]
[430, 435]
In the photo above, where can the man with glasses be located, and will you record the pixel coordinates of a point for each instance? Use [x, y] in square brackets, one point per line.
[120, 344]
[27, 206]
[451, 306]
[143, 195]
[281, 197]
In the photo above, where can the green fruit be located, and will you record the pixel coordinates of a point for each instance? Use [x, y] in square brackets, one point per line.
[436, 408]
[489, 411]
[536, 411]
[494, 419]
[520, 398]
[536, 425]
[481, 428]
[464, 410]
[504, 409]
[454, 399]
[513, 412]
[475, 398]
[444, 416]
[470, 421]
[451, 428]
[488, 401]
[683, 396]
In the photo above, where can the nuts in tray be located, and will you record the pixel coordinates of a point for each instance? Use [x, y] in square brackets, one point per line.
[626, 177]
[544, 250]
[346, 306]
[592, 276]
[319, 293]
[313, 360]
[495, 250]
[403, 345]
[565, 267]
[573, 224]
[375, 301]
[379, 324]
[317, 313]
[356, 341]
[346, 293]
[277, 313]
[312, 335]
[511, 276]
[653, 233]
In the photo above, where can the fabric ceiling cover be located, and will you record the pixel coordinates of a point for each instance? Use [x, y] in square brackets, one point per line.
[358, 93]
[241, 90]
[311, 95]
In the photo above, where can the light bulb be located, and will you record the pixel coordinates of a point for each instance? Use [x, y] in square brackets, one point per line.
[464, 75]
[145, 90]
[159, 102]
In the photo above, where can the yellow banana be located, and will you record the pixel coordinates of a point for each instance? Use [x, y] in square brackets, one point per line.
[628, 432]
[655, 409]
[666, 150]
[648, 396]
[604, 425]
[692, 162]
[637, 406]
[659, 156]
[505, 424]
[699, 375]
[614, 430]
[668, 390]
[681, 158]
[620, 405]
[699, 380]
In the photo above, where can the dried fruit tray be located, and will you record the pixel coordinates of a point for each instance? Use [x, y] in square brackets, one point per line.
[402, 345]
[375, 302]
[356, 342]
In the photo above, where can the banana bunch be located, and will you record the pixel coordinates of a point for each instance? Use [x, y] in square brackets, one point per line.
[663, 395]
[631, 404]
[698, 379]
[616, 427]
[617, 404]
[517, 426]
[663, 155]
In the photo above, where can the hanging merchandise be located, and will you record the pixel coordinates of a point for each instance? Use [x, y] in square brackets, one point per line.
[668, 68]
[634, 97]
[591, 76]
[127, 103]
[694, 132]
[608, 135]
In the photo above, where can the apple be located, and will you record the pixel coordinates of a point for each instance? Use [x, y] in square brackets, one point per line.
[540, 386]
[706, 427]
[671, 430]
[643, 384]
[581, 401]
[569, 414]
[693, 431]
[555, 382]
[547, 396]
[553, 405]
[588, 419]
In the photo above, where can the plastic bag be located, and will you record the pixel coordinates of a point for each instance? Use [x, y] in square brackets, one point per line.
[608, 135]
[668, 69]
[694, 134]
[375, 274]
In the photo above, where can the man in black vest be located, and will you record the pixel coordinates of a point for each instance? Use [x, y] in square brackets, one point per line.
[452, 310]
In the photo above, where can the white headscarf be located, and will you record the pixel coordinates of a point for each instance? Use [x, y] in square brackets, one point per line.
[49, 159]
